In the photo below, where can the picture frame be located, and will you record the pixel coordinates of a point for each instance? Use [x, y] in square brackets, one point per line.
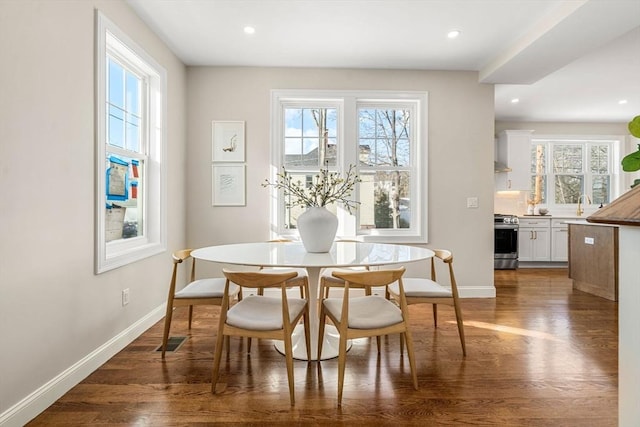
[227, 141]
[228, 186]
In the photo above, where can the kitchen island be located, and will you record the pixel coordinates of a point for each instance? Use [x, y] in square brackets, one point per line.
[593, 258]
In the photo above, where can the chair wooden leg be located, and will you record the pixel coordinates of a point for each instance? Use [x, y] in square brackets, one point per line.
[456, 306]
[435, 315]
[401, 344]
[342, 360]
[412, 360]
[323, 319]
[288, 352]
[249, 345]
[216, 361]
[378, 343]
[167, 327]
[190, 315]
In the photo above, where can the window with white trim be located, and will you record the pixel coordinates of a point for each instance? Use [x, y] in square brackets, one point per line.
[130, 147]
[566, 171]
[382, 133]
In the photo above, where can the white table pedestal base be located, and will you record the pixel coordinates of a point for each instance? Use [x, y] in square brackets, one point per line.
[329, 344]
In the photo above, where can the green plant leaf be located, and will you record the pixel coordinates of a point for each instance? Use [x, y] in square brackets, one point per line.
[634, 127]
[631, 162]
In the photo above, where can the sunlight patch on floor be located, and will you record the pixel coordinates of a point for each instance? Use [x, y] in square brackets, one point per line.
[510, 330]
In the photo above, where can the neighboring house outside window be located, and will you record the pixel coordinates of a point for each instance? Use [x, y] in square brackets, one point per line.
[130, 146]
[382, 133]
[572, 170]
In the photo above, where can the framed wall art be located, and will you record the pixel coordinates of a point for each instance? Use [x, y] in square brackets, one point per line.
[227, 141]
[228, 185]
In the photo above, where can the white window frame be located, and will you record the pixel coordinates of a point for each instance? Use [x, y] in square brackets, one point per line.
[114, 254]
[346, 103]
[613, 141]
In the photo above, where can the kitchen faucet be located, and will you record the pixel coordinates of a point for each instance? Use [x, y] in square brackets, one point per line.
[580, 210]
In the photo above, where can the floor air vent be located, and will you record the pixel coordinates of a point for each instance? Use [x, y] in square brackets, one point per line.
[173, 343]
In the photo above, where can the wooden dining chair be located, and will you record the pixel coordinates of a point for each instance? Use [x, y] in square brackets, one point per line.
[207, 291]
[366, 316]
[328, 280]
[261, 316]
[430, 291]
[301, 280]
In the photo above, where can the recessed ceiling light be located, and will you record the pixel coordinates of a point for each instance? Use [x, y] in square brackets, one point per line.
[515, 100]
[249, 30]
[453, 34]
[622, 101]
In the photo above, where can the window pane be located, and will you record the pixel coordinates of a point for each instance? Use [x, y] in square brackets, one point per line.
[124, 195]
[310, 137]
[601, 189]
[133, 94]
[541, 185]
[568, 188]
[538, 159]
[133, 133]
[384, 135]
[384, 200]
[567, 159]
[599, 159]
[116, 82]
[115, 122]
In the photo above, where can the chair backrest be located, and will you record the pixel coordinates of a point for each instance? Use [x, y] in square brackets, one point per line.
[446, 257]
[370, 278]
[256, 279]
[179, 257]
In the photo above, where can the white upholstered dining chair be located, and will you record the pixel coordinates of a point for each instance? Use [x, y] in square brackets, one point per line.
[207, 291]
[366, 316]
[261, 316]
[430, 291]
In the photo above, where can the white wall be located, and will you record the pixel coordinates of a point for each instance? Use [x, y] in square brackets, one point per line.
[461, 122]
[54, 312]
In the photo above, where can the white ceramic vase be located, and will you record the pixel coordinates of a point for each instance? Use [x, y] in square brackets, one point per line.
[317, 227]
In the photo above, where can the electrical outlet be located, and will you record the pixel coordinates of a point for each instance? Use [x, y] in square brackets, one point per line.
[125, 297]
[472, 202]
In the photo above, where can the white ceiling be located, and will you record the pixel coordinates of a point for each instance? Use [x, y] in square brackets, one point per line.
[566, 60]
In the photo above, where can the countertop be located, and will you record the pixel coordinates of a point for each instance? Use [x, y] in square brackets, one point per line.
[569, 219]
[585, 222]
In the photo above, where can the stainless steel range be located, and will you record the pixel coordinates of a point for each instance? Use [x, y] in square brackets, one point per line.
[505, 253]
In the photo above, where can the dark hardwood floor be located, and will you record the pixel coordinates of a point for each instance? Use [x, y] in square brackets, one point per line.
[540, 354]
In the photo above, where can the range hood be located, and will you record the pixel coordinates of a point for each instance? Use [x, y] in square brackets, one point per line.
[500, 167]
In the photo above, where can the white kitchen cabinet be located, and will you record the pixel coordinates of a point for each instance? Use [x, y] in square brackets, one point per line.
[559, 240]
[514, 151]
[534, 239]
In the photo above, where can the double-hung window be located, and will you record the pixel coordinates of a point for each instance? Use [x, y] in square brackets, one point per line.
[130, 145]
[381, 133]
[566, 171]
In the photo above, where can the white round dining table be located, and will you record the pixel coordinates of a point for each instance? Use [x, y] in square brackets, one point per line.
[293, 255]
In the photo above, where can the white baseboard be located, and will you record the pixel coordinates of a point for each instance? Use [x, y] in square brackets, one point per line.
[32, 405]
[477, 291]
